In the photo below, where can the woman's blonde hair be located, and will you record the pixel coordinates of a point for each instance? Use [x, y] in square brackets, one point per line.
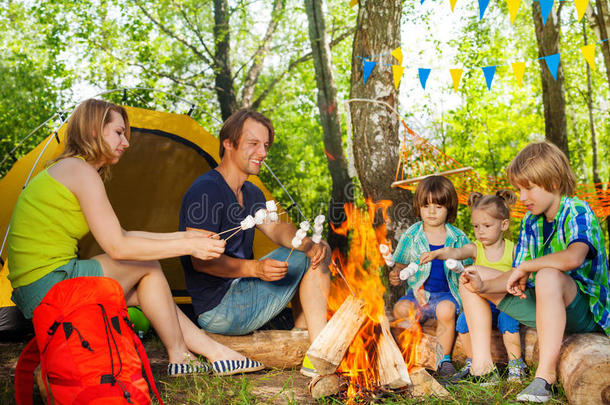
[84, 132]
[545, 165]
[497, 205]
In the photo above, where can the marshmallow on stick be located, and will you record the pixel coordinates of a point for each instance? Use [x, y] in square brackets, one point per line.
[259, 216]
[318, 227]
[408, 271]
[455, 266]
[248, 223]
[387, 255]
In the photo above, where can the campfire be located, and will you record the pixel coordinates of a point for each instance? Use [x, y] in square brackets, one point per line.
[357, 345]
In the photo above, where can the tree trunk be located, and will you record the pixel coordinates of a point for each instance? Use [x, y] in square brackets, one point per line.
[342, 189]
[375, 126]
[598, 14]
[553, 100]
[222, 58]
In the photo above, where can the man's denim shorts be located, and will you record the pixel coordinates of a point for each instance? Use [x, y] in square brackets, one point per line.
[504, 322]
[251, 302]
[429, 310]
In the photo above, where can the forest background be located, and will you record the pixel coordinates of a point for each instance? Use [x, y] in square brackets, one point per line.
[227, 54]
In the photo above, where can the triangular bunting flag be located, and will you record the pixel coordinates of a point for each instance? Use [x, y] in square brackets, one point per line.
[581, 6]
[552, 62]
[519, 70]
[545, 7]
[482, 7]
[489, 73]
[452, 2]
[352, 3]
[588, 51]
[421, 2]
[368, 68]
[456, 75]
[513, 8]
[423, 76]
[397, 73]
[397, 53]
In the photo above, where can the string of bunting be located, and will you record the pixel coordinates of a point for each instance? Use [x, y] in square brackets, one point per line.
[489, 72]
[513, 7]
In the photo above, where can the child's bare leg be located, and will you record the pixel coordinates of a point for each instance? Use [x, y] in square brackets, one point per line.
[445, 327]
[555, 290]
[403, 311]
[512, 343]
[466, 344]
[478, 317]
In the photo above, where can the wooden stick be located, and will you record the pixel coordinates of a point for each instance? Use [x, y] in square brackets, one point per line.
[289, 255]
[416, 179]
[188, 228]
[234, 233]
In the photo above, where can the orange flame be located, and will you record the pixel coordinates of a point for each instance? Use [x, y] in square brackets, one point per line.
[361, 269]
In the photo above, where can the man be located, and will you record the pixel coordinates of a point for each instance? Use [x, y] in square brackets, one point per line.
[234, 294]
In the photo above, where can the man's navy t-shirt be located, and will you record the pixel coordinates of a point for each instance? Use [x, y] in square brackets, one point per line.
[210, 204]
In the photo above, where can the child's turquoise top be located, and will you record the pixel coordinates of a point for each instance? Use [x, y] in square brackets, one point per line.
[413, 243]
[574, 222]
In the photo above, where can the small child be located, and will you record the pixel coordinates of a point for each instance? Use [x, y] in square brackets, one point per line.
[490, 219]
[433, 289]
[561, 248]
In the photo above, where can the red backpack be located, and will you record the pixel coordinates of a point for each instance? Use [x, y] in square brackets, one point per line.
[87, 351]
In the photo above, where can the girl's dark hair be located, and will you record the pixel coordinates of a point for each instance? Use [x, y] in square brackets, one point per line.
[497, 205]
[436, 190]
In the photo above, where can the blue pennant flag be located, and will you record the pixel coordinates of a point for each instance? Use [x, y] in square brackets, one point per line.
[489, 72]
[552, 62]
[368, 68]
[421, 2]
[545, 7]
[423, 76]
[482, 7]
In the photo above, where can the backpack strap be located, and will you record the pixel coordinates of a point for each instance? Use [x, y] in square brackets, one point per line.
[146, 365]
[24, 373]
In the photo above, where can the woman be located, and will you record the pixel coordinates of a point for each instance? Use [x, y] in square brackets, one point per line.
[66, 200]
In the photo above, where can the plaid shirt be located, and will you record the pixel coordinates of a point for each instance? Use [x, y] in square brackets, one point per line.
[574, 222]
[413, 243]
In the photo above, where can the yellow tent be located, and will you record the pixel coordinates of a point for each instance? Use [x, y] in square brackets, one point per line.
[167, 152]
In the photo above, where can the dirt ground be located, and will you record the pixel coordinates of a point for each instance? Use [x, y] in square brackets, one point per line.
[268, 386]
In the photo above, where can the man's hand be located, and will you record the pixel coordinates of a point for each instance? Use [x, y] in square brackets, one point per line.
[318, 253]
[270, 270]
[516, 283]
[471, 280]
[394, 277]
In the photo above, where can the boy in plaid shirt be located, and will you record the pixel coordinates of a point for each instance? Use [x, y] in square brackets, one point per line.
[559, 280]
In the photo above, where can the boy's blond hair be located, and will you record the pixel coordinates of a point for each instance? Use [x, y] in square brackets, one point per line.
[544, 165]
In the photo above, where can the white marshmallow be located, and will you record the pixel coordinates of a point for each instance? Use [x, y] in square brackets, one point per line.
[301, 234]
[304, 226]
[408, 271]
[319, 219]
[271, 206]
[273, 217]
[296, 242]
[389, 261]
[316, 238]
[260, 215]
[318, 228]
[248, 222]
[454, 265]
[384, 249]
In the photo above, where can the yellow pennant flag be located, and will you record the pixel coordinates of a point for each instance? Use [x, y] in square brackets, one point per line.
[352, 3]
[519, 71]
[397, 53]
[581, 6]
[513, 7]
[452, 4]
[588, 51]
[397, 73]
[456, 75]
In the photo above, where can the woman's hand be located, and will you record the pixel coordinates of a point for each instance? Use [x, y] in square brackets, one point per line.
[204, 247]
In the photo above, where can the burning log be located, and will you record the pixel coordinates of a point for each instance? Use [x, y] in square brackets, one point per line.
[390, 363]
[327, 350]
[424, 384]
